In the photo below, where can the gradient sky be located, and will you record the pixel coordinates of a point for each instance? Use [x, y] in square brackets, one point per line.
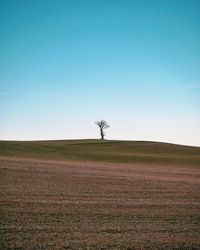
[66, 63]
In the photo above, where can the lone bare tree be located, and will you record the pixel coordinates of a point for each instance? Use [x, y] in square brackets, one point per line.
[102, 125]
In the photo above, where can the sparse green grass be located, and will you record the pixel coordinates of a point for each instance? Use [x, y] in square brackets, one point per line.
[107, 151]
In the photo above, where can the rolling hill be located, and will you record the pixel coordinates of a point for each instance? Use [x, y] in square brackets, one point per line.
[108, 151]
[82, 194]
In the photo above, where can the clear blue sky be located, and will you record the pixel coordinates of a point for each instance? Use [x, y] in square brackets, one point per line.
[66, 63]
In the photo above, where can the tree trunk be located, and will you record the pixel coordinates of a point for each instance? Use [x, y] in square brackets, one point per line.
[102, 134]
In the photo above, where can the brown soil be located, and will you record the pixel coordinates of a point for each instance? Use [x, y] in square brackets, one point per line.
[89, 205]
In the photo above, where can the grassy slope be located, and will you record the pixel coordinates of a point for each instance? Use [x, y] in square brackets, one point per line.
[111, 151]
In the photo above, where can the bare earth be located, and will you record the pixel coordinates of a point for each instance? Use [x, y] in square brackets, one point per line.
[89, 205]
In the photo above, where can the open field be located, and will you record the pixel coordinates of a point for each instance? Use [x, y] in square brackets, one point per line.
[67, 195]
[107, 151]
